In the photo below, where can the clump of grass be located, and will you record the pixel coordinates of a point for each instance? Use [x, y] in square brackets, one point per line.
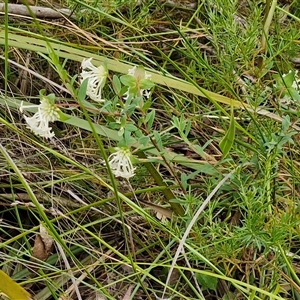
[216, 107]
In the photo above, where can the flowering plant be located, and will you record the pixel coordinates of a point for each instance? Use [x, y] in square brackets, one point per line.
[96, 77]
[133, 91]
[138, 82]
[47, 112]
[120, 163]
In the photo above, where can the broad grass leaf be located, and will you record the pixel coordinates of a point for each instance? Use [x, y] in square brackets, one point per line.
[10, 288]
[40, 45]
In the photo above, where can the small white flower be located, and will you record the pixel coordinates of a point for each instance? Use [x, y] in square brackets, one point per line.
[38, 126]
[39, 122]
[131, 71]
[96, 77]
[121, 164]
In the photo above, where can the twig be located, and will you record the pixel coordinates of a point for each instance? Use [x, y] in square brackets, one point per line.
[38, 11]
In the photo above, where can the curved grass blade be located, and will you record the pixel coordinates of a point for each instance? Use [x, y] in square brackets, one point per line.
[10, 288]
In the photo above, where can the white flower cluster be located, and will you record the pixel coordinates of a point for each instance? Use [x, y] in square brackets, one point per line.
[120, 163]
[96, 77]
[39, 122]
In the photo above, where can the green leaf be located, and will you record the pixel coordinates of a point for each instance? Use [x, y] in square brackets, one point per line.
[184, 180]
[128, 80]
[128, 139]
[293, 93]
[147, 105]
[188, 126]
[82, 90]
[89, 105]
[42, 93]
[207, 282]
[146, 84]
[150, 119]
[200, 150]
[73, 79]
[121, 131]
[175, 122]
[51, 98]
[158, 140]
[62, 116]
[286, 122]
[116, 84]
[289, 79]
[144, 140]
[228, 140]
[130, 127]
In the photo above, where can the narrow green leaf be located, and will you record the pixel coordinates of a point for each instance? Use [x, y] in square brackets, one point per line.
[293, 93]
[82, 90]
[116, 85]
[228, 140]
[158, 140]
[150, 119]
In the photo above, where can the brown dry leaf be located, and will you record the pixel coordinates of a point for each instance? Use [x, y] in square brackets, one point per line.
[161, 212]
[43, 245]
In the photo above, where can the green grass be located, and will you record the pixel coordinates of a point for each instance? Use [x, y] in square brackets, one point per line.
[216, 109]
